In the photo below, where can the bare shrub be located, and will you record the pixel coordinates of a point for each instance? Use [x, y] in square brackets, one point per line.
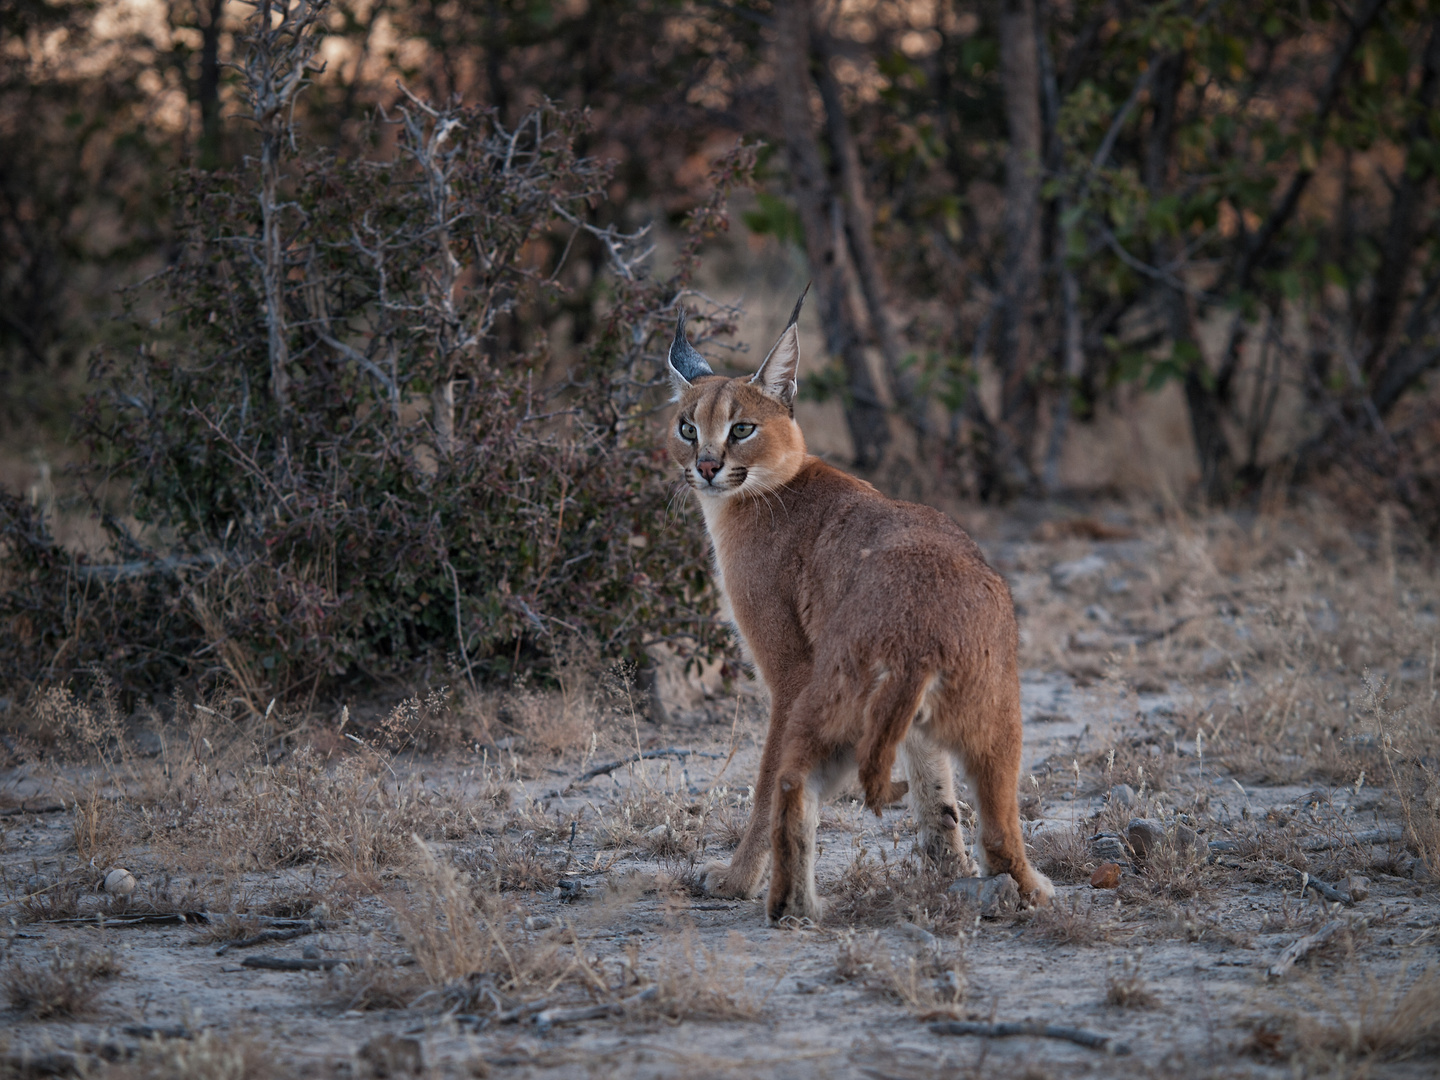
[66, 987]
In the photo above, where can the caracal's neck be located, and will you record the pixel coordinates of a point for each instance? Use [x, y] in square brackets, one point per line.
[731, 520]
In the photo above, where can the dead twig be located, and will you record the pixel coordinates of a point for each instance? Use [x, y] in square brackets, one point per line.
[285, 963]
[1080, 1036]
[1304, 946]
[611, 766]
[548, 1017]
[267, 935]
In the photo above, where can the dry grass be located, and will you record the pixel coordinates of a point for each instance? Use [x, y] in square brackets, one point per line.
[66, 987]
[1074, 922]
[1360, 1017]
[694, 982]
[930, 981]
[1063, 855]
[1126, 989]
[882, 890]
[208, 1056]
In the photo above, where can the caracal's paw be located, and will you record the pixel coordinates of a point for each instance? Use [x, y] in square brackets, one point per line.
[1038, 890]
[793, 912]
[721, 881]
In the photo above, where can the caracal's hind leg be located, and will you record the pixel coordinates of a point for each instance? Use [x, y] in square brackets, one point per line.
[932, 801]
[992, 761]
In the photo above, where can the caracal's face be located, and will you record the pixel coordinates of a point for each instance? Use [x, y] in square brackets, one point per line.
[729, 438]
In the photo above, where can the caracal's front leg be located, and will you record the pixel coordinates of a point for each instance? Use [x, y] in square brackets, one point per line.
[744, 875]
[792, 835]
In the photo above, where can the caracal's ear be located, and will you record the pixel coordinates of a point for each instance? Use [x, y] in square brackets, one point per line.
[685, 364]
[777, 375]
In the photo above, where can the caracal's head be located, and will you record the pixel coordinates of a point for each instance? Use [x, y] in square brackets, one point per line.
[736, 436]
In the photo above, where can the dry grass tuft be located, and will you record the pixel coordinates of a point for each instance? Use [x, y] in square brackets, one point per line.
[66, 987]
[1074, 923]
[930, 982]
[1363, 1018]
[208, 1056]
[1063, 855]
[884, 891]
[693, 982]
[1127, 989]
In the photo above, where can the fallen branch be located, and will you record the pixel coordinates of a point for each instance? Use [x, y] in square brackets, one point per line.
[267, 935]
[1389, 835]
[548, 1017]
[14, 811]
[611, 766]
[1329, 892]
[1092, 1039]
[184, 918]
[284, 963]
[1303, 947]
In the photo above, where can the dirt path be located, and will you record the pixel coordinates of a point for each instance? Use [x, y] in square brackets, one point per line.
[1165, 698]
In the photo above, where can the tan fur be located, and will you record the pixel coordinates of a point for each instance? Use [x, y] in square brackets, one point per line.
[875, 625]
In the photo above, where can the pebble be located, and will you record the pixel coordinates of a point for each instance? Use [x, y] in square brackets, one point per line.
[1123, 795]
[1106, 876]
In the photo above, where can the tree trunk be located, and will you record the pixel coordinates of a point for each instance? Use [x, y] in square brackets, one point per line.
[207, 90]
[1401, 235]
[1204, 405]
[1020, 284]
[859, 231]
[865, 409]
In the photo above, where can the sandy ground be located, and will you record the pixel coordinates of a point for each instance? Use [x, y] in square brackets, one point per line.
[855, 996]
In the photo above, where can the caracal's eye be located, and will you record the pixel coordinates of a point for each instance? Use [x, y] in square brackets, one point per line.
[687, 431]
[742, 431]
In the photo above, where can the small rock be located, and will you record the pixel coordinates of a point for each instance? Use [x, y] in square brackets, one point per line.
[538, 922]
[570, 890]
[310, 952]
[1145, 836]
[994, 896]
[1067, 574]
[1097, 613]
[1109, 847]
[805, 986]
[119, 882]
[36, 883]
[1189, 842]
[915, 932]
[1358, 887]
[1106, 876]
[1123, 795]
[1148, 836]
[393, 1055]
[659, 832]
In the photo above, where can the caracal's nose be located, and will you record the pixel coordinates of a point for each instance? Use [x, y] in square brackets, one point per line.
[708, 467]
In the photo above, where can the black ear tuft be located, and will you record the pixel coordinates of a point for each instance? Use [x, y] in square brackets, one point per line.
[686, 364]
[795, 314]
[778, 374]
